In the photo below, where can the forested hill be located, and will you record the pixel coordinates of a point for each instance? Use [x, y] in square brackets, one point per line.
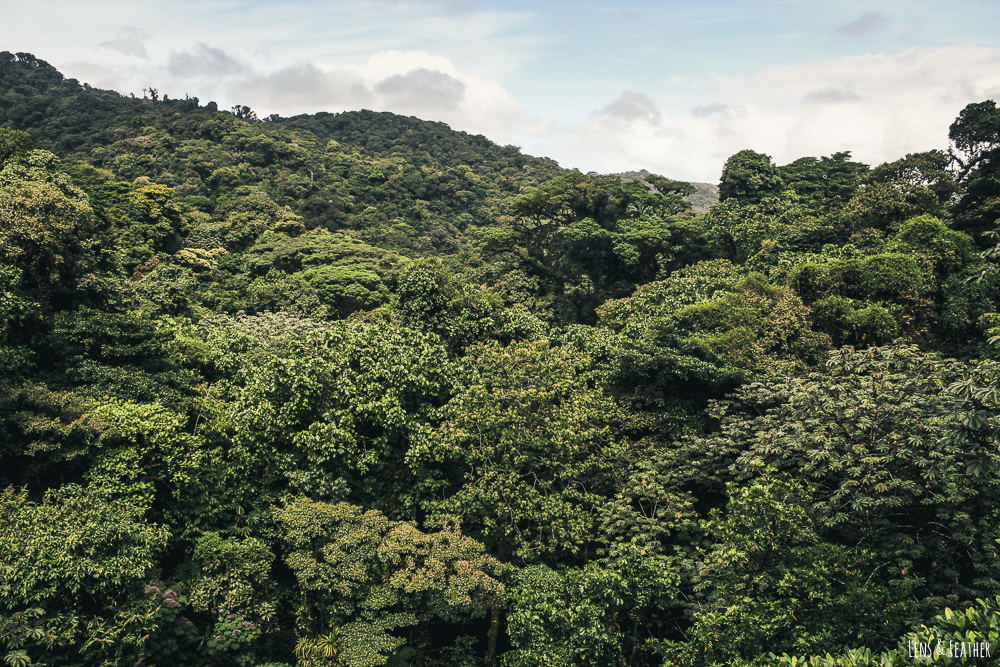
[418, 141]
[72, 119]
[65, 115]
[357, 390]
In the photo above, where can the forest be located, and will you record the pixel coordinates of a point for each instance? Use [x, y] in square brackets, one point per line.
[356, 389]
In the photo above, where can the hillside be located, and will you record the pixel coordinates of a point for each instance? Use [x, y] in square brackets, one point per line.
[705, 195]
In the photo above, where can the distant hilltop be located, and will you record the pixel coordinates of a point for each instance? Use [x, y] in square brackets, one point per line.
[704, 196]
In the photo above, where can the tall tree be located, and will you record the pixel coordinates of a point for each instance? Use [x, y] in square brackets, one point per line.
[748, 177]
[592, 234]
[975, 136]
[824, 183]
[526, 456]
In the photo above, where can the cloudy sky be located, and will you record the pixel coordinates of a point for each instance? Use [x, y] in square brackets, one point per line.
[673, 87]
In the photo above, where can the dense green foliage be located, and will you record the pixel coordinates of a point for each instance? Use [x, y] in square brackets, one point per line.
[358, 390]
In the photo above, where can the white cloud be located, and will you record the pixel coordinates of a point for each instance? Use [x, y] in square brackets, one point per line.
[302, 88]
[633, 106]
[204, 62]
[495, 43]
[875, 105]
[410, 83]
[95, 75]
[418, 83]
[830, 96]
[718, 108]
[130, 47]
[422, 88]
[129, 42]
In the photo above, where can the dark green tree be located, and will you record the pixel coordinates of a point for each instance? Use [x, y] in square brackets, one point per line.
[871, 435]
[13, 144]
[590, 237]
[975, 136]
[748, 177]
[826, 183]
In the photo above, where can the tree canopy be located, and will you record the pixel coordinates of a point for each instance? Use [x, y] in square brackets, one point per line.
[357, 390]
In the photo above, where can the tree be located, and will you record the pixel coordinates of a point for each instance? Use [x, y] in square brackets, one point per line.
[603, 613]
[768, 581]
[592, 235]
[13, 144]
[152, 223]
[826, 183]
[246, 217]
[760, 328]
[894, 192]
[523, 452]
[677, 343]
[748, 177]
[525, 456]
[330, 414]
[863, 299]
[363, 578]
[429, 298]
[975, 136]
[924, 178]
[940, 250]
[47, 231]
[950, 638]
[128, 355]
[319, 274]
[81, 559]
[145, 455]
[738, 229]
[870, 433]
[243, 112]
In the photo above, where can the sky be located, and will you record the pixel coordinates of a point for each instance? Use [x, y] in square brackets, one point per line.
[671, 87]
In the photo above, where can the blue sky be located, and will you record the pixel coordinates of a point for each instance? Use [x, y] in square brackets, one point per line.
[667, 86]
